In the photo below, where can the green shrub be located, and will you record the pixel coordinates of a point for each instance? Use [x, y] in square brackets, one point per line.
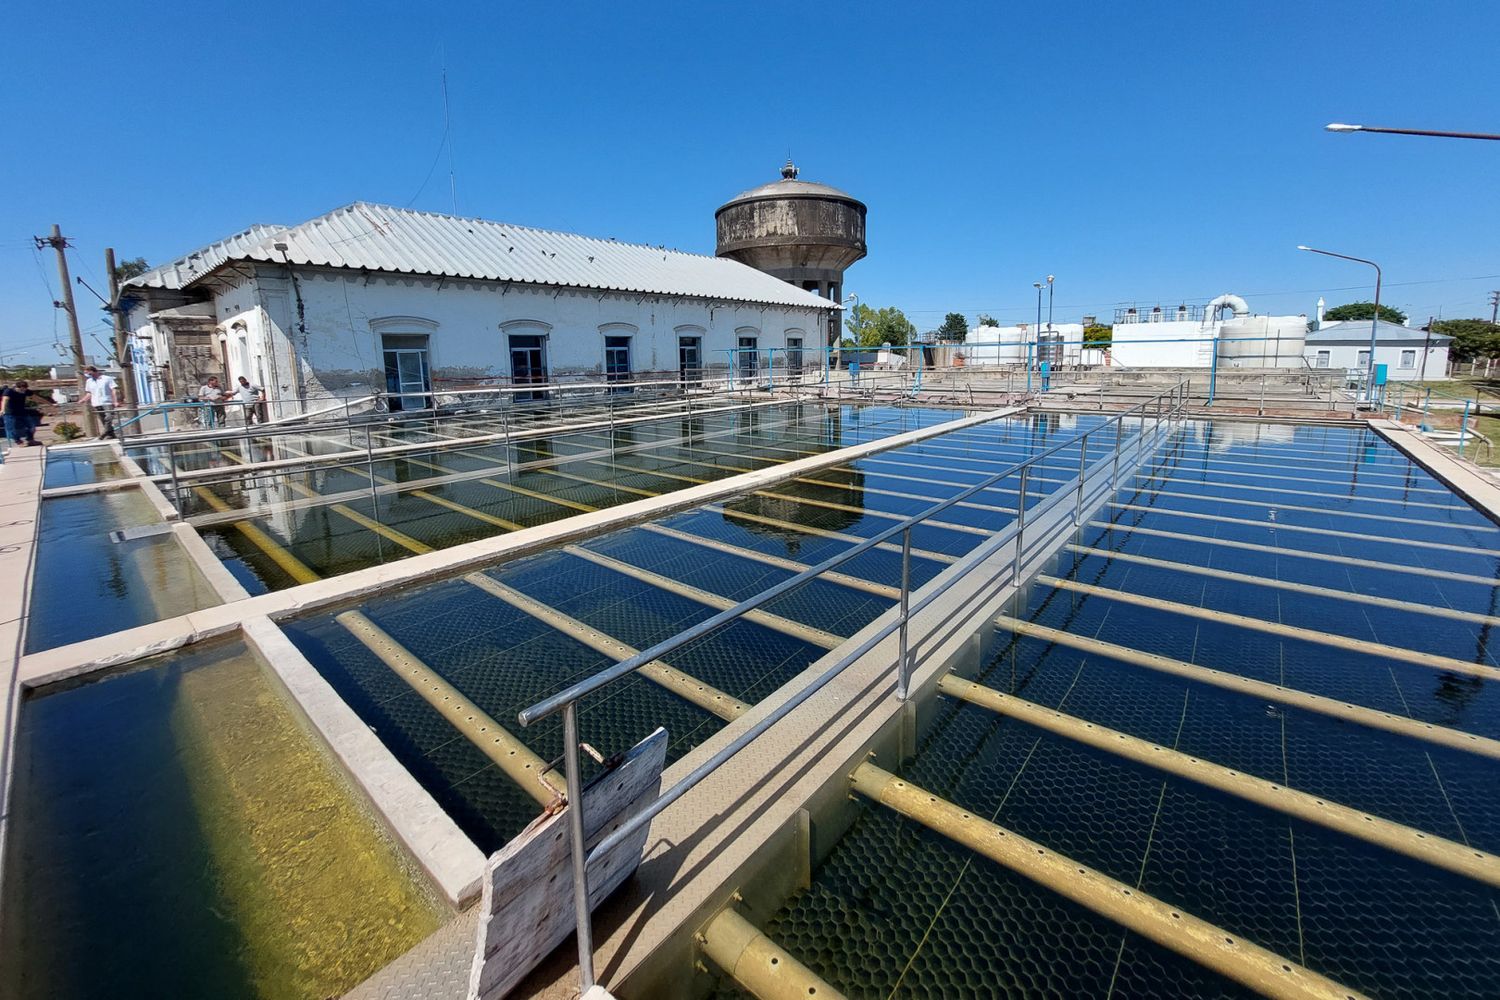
[67, 430]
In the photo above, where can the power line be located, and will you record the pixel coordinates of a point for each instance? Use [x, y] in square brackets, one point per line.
[1192, 298]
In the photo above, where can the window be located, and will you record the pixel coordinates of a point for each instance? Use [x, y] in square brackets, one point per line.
[1408, 359]
[408, 377]
[1324, 357]
[1362, 359]
[617, 359]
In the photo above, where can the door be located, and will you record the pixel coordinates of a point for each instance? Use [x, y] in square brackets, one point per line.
[528, 363]
[690, 360]
[749, 359]
[617, 360]
[407, 378]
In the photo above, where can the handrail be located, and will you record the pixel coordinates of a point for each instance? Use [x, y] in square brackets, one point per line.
[552, 705]
[1169, 403]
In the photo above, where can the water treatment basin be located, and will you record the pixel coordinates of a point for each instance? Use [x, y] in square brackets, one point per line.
[175, 833]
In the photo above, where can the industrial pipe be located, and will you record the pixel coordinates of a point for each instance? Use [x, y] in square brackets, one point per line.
[758, 964]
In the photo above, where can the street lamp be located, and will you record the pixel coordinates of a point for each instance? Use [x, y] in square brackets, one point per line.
[1374, 322]
[1341, 127]
[1049, 314]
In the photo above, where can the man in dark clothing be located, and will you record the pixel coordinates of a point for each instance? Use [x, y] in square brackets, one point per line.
[15, 406]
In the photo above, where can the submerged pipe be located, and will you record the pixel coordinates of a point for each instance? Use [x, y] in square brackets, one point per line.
[1197, 940]
[759, 965]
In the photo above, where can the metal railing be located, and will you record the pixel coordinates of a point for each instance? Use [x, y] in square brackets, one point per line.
[1166, 407]
[356, 437]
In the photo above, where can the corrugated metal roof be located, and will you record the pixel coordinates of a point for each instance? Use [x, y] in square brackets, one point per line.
[384, 238]
[186, 270]
[1357, 331]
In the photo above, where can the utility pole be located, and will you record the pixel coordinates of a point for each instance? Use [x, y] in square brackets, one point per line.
[122, 349]
[59, 243]
[1426, 345]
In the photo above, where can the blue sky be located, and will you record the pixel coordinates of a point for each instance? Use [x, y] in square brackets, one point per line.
[1142, 152]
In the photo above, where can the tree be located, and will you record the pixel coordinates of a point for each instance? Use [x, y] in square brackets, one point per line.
[132, 268]
[1098, 335]
[1473, 339]
[955, 327]
[873, 327]
[985, 319]
[1363, 311]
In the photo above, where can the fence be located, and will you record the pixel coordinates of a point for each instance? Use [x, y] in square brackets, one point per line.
[1161, 413]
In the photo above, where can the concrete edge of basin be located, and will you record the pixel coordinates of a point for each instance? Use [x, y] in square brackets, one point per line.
[450, 860]
[1459, 475]
[208, 565]
[63, 662]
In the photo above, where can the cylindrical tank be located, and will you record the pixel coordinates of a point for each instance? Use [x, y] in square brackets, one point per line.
[995, 345]
[801, 232]
[1262, 342]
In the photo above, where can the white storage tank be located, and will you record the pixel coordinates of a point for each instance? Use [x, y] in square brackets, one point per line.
[995, 345]
[1262, 342]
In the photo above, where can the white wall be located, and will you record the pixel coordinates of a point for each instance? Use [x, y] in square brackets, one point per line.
[1347, 356]
[335, 346]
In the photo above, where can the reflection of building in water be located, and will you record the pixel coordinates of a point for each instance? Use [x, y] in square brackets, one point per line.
[1221, 435]
[779, 517]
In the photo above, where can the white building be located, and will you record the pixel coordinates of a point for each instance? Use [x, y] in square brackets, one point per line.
[1409, 355]
[1223, 332]
[370, 297]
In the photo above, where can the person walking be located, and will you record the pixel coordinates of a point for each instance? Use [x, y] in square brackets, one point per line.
[212, 393]
[16, 409]
[104, 395]
[250, 397]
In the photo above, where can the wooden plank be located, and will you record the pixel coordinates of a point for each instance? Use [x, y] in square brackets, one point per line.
[527, 904]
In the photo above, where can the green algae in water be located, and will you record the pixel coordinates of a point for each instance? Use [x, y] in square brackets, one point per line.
[177, 834]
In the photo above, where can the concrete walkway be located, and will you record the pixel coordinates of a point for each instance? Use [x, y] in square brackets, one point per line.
[20, 508]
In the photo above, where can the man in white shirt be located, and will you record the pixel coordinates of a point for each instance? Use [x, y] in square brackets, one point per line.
[249, 396]
[103, 395]
[213, 394]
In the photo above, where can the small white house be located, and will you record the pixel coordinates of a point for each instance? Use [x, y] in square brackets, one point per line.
[370, 297]
[1409, 355]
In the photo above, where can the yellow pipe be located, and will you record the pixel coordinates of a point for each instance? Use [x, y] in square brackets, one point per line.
[685, 686]
[513, 757]
[786, 626]
[290, 564]
[759, 965]
[1385, 721]
[1439, 574]
[832, 576]
[1199, 941]
[1433, 661]
[1296, 588]
[1279, 526]
[1430, 848]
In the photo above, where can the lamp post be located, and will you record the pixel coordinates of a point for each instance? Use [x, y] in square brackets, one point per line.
[1035, 337]
[1374, 322]
[835, 349]
[1341, 127]
[1049, 314]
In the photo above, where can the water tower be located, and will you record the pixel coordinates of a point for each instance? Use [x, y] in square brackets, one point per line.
[801, 232]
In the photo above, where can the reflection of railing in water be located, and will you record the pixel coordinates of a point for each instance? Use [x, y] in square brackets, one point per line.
[356, 438]
[1162, 412]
